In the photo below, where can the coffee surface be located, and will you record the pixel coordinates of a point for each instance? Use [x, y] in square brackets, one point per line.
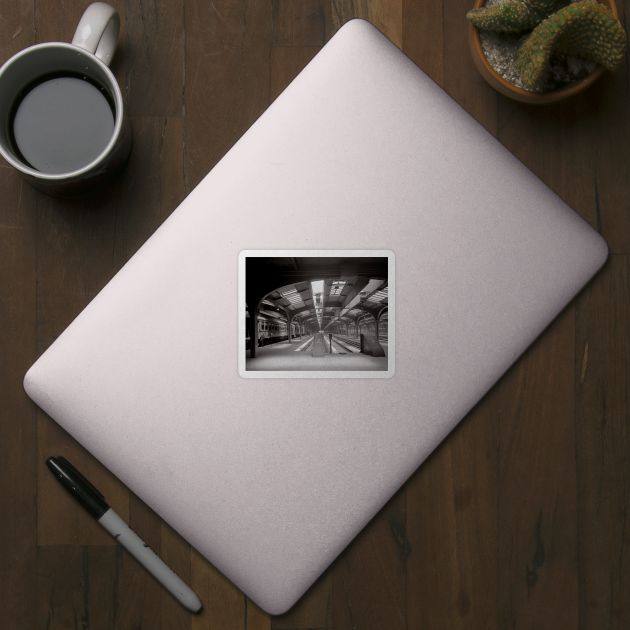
[62, 124]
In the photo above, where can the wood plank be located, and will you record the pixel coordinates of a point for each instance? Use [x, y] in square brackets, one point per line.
[575, 147]
[369, 577]
[57, 23]
[76, 587]
[300, 22]
[386, 15]
[608, 127]
[255, 618]
[461, 78]
[285, 64]
[603, 468]
[74, 248]
[154, 57]
[561, 149]
[171, 159]
[152, 185]
[452, 527]
[17, 28]
[423, 36]
[537, 537]
[566, 148]
[226, 78]
[18, 415]
[18, 421]
[558, 147]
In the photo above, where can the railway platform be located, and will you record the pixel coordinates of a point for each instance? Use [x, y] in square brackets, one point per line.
[314, 353]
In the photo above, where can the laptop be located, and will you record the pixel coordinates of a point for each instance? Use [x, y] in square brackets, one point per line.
[367, 215]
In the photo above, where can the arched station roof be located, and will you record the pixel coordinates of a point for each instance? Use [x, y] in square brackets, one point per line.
[325, 289]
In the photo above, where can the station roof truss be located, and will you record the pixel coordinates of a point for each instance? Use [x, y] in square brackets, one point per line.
[292, 297]
[378, 297]
[271, 316]
[325, 289]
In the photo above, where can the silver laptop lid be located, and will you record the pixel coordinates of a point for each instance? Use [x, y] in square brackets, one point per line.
[270, 478]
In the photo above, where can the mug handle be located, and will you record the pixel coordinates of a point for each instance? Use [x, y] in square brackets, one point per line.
[98, 30]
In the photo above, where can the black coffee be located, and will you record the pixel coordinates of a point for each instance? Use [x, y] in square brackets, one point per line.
[61, 123]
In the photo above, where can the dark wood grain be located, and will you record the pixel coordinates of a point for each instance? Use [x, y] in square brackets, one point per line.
[151, 187]
[18, 416]
[154, 58]
[76, 587]
[461, 79]
[574, 150]
[609, 133]
[537, 537]
[300, 23]
[602, 380]
[226, 78]
[369, 577]
[422, 36]
[518, 520]
[452, 516]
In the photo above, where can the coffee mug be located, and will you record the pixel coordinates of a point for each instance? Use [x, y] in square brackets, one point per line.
[62, 114]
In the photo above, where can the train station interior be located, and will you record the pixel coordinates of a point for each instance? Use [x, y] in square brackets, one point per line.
[316, 314]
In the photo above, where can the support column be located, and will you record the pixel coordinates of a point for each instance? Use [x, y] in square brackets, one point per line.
[253, 333]
[289, 327]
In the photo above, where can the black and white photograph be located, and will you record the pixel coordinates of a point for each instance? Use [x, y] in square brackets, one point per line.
[316, 313]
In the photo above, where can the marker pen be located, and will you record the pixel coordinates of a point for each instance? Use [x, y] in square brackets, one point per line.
[94, 502]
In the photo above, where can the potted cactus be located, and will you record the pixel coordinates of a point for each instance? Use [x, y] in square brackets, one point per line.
[557, 49]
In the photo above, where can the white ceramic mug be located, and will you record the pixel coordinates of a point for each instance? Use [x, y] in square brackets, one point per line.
[88, 57]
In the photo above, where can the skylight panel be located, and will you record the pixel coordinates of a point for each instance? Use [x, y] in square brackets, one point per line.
[292, 296]
[378, 296]
[337, 287]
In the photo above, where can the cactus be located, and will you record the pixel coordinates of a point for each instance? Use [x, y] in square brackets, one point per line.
[584, 29]
[513, 16]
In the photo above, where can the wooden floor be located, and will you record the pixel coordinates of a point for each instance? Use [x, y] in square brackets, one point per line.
[518, 520]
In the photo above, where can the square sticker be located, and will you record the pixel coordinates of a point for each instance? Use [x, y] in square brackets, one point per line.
[316, 314]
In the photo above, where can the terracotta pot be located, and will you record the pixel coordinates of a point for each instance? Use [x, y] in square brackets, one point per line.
[518, 94]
